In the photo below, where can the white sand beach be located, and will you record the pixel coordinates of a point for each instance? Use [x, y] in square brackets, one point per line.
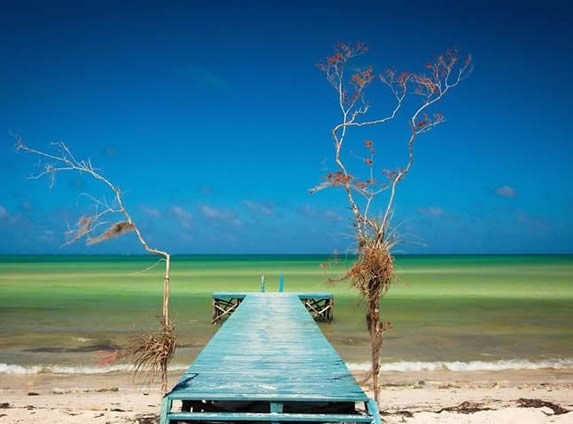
[536, 396]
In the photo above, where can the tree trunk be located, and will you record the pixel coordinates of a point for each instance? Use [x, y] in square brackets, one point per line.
[163, 378]
[165, 303]
[375, 329]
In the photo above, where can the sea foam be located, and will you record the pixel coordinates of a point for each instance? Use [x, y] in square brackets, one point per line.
[402, 366]
[459, 366]
[60, 369]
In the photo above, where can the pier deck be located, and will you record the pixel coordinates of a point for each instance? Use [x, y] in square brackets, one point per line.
[269, 362]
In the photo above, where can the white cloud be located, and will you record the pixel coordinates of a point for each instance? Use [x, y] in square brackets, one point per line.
[431, 211]
[183, 216]
[308, 211]
[332, 215]
[219, 214]
[155, 213]
[533, 223]
[506, 191]
[214, 213]
[260, 208]
[522, 217]
[47, 235]
[329, 214]
[26, 205]
[3, 212]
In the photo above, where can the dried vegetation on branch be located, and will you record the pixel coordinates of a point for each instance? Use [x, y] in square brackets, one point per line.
[150, 353]
[373, 271]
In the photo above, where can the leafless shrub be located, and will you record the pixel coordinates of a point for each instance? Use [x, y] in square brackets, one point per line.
[373, 271]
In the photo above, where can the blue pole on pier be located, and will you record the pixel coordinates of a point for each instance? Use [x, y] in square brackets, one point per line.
[281, 283]
[262, 286]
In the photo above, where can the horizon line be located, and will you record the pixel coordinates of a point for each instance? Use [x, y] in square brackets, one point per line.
[286, 254]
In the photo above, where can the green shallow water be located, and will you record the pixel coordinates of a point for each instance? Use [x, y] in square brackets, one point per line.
[62, 309]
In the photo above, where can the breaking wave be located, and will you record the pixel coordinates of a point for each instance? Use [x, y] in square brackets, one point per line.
[402, 366]
[514, 364]
[59, 369]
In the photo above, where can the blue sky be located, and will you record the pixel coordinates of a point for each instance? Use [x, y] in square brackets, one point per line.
[214, 120]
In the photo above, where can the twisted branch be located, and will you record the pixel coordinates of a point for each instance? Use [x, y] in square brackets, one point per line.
[65, 161]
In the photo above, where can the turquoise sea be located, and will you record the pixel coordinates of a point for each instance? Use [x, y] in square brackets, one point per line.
[453, 312]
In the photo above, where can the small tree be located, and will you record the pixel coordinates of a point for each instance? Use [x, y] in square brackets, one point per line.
[150, 352]
[373, 271]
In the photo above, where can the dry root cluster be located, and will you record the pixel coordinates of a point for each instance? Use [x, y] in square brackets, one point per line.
[151, 352]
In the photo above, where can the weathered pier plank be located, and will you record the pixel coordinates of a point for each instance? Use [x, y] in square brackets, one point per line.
[268, 362]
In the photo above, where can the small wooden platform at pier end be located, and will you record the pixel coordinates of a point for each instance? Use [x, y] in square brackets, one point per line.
[269, 362]
[319, 304]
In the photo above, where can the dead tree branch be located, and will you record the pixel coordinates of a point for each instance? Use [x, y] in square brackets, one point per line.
[64, 160]
[373, 271]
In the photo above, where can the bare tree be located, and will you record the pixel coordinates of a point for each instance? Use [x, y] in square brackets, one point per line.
[373, 271]
[150, 352]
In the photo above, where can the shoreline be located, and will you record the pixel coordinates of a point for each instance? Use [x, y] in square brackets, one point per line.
[412, 397]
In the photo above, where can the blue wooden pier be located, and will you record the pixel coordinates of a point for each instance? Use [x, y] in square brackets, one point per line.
[269, 362]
